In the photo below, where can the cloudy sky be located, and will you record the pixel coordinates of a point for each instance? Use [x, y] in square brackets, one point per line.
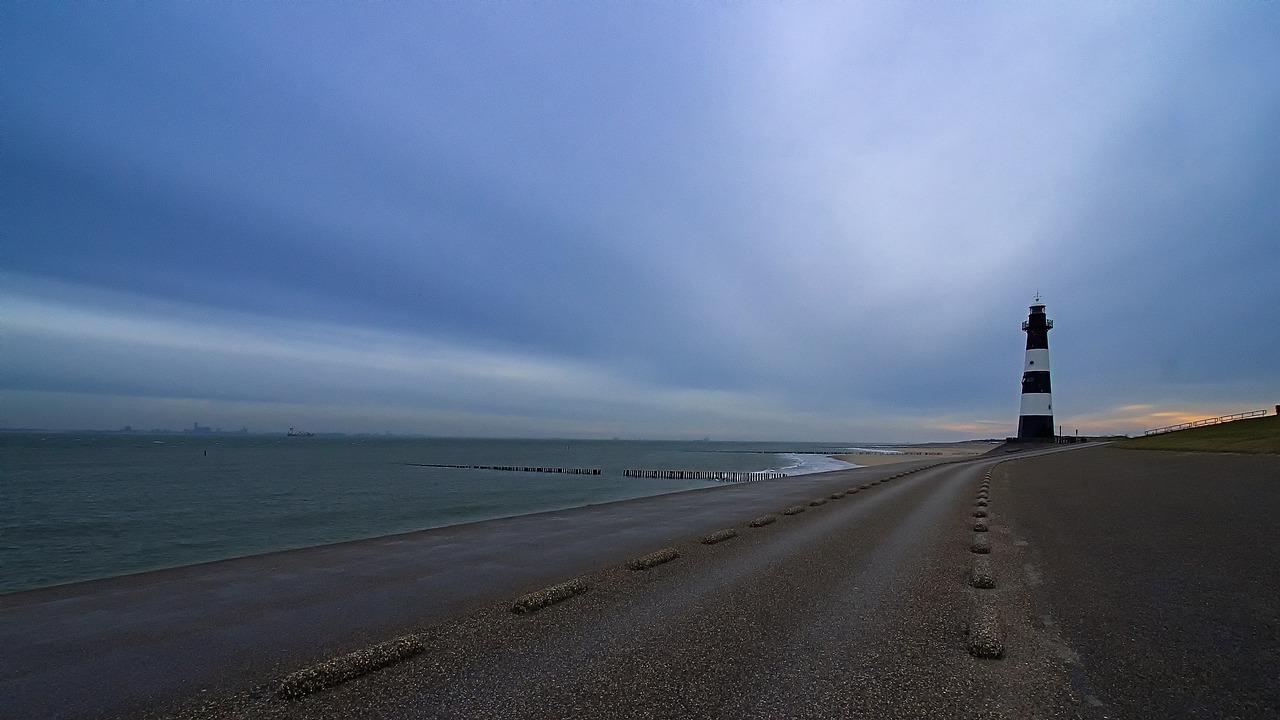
[746, 220]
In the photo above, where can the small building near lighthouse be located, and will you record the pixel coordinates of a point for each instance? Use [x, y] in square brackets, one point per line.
[1035, 420]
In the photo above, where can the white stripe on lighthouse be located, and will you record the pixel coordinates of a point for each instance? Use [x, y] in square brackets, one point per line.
[1037, 360]
[1037, 404]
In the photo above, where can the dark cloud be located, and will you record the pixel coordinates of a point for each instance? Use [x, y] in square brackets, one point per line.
[741, 221]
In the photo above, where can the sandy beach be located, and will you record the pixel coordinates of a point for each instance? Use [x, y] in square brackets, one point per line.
[936, 452]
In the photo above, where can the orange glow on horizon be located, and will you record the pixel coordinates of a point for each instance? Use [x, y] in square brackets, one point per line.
[1130, 420]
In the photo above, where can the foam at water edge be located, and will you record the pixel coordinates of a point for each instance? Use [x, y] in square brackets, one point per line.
[809, 463]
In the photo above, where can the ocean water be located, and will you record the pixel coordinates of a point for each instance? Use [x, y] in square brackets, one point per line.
[78, 507]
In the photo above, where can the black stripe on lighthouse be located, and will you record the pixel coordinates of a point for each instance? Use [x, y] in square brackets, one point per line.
[1036, 381]
[1035, 421]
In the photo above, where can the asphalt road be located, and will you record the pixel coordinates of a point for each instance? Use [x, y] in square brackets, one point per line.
[1154, 575]
[1128, 584]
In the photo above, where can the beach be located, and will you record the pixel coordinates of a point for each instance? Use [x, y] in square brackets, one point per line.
[894, 454]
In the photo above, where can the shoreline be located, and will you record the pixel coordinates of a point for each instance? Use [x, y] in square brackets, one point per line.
[266, 516]
[184, 568]
[807, 469]
[89, 636]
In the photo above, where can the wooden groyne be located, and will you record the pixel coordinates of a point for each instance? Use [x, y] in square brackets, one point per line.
[515, 468]
[895, 453]
[715, 475]
[732, 476]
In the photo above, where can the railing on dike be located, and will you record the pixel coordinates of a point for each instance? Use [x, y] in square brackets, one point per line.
[1207, 421]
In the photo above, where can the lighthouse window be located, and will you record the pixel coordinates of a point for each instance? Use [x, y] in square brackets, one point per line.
[1031, 362]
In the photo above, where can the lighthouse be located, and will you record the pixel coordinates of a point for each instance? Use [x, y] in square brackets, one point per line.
[1035, 421]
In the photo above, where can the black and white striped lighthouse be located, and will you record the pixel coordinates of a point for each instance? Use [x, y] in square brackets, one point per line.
[1035, 422]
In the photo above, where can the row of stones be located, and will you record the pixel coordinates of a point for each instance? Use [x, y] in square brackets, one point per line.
[986, 636]
[348, 667]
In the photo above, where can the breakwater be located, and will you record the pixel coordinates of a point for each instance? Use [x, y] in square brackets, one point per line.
[733, 476]
[716, 475]
[515, 468]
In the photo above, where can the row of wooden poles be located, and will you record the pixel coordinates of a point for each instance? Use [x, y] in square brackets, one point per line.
[517, 468]
[717, 475]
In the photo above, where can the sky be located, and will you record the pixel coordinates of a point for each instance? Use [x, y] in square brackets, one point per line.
[735, 220]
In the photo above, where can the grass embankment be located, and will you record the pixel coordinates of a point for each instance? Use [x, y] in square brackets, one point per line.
[1255, 435]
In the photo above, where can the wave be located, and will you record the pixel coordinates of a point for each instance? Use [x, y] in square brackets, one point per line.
[809, 463]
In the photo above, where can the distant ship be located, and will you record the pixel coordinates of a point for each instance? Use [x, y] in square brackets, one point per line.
[300, 433]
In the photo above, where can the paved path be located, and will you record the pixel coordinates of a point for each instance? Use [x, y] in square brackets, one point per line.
[1154, 576]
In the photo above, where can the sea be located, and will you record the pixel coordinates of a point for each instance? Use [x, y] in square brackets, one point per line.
[81, 506]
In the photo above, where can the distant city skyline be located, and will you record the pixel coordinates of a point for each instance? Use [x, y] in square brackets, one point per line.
[766, 221]
[195, 429]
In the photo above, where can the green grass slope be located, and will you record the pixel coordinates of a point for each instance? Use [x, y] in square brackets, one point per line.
[1255, 435]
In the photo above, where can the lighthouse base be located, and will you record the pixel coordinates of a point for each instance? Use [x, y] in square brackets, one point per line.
[1035, 428]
